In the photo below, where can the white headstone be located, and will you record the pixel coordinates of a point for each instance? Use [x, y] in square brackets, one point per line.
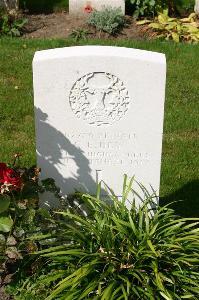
[99, 115]
[83, 7]
[196, 8]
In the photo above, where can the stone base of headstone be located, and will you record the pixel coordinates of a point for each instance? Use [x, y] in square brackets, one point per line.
[84, 7]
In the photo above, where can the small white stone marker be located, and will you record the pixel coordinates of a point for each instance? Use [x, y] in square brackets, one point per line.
[99, 115]
[84, 7]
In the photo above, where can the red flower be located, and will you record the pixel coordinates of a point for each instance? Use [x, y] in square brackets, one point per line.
[88, 9]
[10, 176]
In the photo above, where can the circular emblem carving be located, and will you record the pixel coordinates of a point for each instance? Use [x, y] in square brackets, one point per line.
[99, 98]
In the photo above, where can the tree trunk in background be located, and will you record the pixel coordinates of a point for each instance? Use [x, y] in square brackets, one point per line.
[10, 5]
[171, 7]
[197, 7]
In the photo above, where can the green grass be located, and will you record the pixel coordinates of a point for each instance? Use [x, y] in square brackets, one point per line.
[180, 160]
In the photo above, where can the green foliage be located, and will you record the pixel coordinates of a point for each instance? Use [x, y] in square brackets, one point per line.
[145, 7]
[152, 7]
[186, 29]
[107, 251]
[20, 216]
[44, 6]
[184, 7]
[11, 26]
[5, 224]
[79, 34]
[109, 20]
[5, 203]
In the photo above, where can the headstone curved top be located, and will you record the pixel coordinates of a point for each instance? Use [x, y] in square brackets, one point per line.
[84, 7]
[99, 115]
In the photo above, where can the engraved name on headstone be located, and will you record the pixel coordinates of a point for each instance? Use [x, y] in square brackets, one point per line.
[99, 115]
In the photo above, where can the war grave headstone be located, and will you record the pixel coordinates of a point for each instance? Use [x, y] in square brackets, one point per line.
[83, 7]
[99, 115]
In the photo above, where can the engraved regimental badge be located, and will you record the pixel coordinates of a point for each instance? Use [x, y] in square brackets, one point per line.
[99, 98]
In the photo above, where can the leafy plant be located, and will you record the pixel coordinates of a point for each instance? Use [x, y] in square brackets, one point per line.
[152, 7]
[186, 29]
[182, 7]
[20, 215]
[79, 34]
[109, 20]
[109, 251]
[11, 26]
[145, 7]
[44, 6]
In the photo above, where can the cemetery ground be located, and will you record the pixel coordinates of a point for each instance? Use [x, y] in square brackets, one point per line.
[61, 25]
[180, 161]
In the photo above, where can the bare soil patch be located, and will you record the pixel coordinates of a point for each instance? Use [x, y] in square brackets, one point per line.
[61, 25]
[3, 283]
[4, 295]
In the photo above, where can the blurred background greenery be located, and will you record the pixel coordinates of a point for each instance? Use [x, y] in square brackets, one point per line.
[44, 6]
[48, 6]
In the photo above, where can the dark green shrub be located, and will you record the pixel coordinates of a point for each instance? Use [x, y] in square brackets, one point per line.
[109, 20]
[179, 7]
[144, 7]
[44, 6]
[112, 252]
[184, 7]
[11, 25]
[151, 7]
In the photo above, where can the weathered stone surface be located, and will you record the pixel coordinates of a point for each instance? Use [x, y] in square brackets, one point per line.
[83, 7]
[99, 115]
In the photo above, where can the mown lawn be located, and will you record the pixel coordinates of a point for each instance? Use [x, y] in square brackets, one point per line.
[180, 160]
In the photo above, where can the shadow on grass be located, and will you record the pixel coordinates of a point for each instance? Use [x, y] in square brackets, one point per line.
[187, 198]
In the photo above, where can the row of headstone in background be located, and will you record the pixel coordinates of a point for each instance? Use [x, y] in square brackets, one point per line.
[83, 7]
[99, 115]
